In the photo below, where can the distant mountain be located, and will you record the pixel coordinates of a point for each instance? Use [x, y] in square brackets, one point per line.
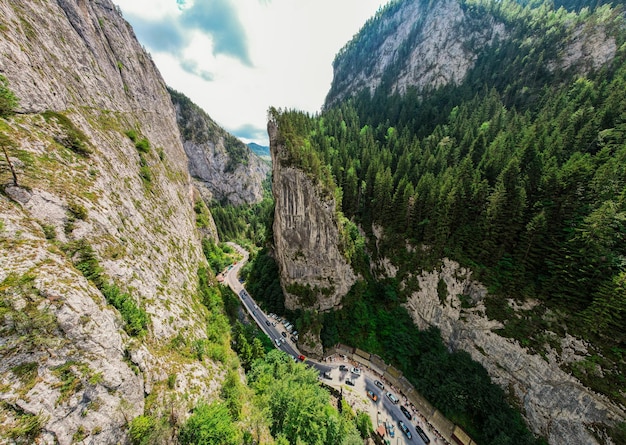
[223, 167]
[260, 150]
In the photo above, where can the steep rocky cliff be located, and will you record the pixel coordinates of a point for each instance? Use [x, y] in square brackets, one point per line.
[556, 405]
[425, 44]
[430, 44]
[222, 166]
[103, 201]
[314, 273]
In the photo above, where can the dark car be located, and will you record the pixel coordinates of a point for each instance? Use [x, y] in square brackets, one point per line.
[405, 429]
[343, 368]
[267, 322]
[422, 434]
[284, 334]
[349, 382]
[406, 412]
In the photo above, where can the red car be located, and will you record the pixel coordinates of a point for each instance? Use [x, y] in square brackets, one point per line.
[301, 358]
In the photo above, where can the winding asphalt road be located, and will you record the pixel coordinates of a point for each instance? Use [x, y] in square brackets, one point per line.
[384, 404]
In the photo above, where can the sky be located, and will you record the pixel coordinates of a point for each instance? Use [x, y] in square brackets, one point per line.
[236, 58]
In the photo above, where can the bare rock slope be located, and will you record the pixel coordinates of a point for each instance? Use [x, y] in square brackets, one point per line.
[101, 169]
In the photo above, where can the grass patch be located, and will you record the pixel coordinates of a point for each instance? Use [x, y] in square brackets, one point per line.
[71, 136]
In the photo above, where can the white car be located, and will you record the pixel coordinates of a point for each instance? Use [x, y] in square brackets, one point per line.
[356, 371]
[393, 398]
[278, 343]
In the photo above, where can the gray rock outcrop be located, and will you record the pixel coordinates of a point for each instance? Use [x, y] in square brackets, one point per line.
[555, 404]
[68, 370]
[314, 273]
[222, 166]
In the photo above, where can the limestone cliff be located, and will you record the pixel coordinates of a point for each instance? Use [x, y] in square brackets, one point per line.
[425, 44]
[100, 170]
[556, 405]
[314, 274]
[222, 166]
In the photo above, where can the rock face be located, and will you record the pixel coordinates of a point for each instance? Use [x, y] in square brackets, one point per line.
[556, 405]
[67, 368]
[313, 272]
[223, 167]
[426, 43]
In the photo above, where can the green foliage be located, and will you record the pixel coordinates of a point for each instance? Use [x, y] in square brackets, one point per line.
[142, 429]
[261, 275]
[210, 425]
[135, 318]
[203, 216]
[70, 379]
[252, 222]
[132, 135]
[233, 393]
[143, 145]
[71, 137]
[216, 256]
[8, 100]
[298, 407]
[26, 428]
[364, 424]
[78, 211]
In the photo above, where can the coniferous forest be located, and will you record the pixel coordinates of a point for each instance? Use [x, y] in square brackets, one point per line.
[519, 174]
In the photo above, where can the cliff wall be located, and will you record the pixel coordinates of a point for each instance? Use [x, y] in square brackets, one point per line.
[223, 167]
[68, 369]
[314, 273]
[555, 404]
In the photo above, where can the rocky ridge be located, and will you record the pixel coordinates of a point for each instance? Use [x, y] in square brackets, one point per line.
[556, 405]
[69, 371]
[313, 272]
[426, 41]
[223, 167]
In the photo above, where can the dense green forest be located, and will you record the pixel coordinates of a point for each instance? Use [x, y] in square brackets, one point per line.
[519, 173]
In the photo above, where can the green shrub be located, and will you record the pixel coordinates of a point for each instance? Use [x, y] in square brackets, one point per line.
[8, 100]
[141, 430]
[72, 137]
[210, 425]
[143, 145]
[78, 211]
[135, 318]
[27, 428]
[132, 135]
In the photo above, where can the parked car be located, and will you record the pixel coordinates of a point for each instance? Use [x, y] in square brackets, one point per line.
[379, 384]
[422, 434]
[393, 398]
[372, 396]
[405, 429]
[327, 375]
[355, 371]
[390, 429]
[284, 334]
[406, 412]
[302, 357]
[343, 368]
[349, 382]
[292, 338]
[267, 322]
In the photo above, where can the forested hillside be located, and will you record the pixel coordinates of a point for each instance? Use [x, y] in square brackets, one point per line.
[517, 173]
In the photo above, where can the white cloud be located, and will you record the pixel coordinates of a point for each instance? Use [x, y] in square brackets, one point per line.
[290, 43]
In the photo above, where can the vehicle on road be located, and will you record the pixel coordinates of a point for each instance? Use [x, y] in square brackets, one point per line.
[406, 412]
[274, 324]
[267, 322]
[282, 340]
[277, 341]
[349, 382]
[343, 368]
[292, 338]
[390, 429]
[284, 334]
[301, 357]
[355, 371]
[422, 434]
[393, 398]
[327, 375]
[405, 429]
[379, 384]
[372, 396]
